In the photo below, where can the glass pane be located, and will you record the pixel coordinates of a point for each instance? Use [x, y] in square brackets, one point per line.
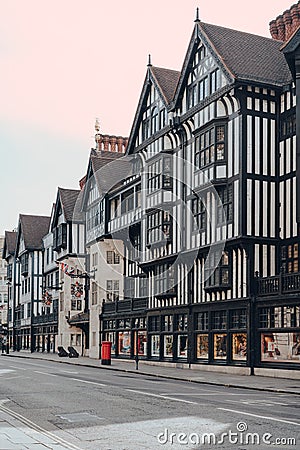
[168, 346]
[239, 347]
[124, 343]
[182, 346]
[220, 346]
[280, 347]
[202, 346]
[155, 341]
[140, 343]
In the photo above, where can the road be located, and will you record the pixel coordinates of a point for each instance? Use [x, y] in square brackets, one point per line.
[89, 408]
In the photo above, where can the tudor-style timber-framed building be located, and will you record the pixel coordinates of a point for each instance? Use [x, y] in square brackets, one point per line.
[27, 299]
[12, 277]
[223, 128]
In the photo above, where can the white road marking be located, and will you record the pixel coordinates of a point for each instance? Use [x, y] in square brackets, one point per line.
[5, 371]
[257, 402]
[30, 364]
[68, 371]
[196, 394]
[46, 373]
[261, 417]
[19, 368]
[162, 396]
[89, 382]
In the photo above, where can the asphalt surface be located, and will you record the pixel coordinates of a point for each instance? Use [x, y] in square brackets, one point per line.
[87, 408]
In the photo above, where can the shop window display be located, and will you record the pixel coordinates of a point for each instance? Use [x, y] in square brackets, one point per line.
[124, 346]
[202, 346]
[141, 343]
[280, 347]
[155, 343]
[239, 347]
[220, 346]
[182, 345]
[168, 346]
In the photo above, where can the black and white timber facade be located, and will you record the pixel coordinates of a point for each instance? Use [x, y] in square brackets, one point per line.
[185, 237]
[223, 129]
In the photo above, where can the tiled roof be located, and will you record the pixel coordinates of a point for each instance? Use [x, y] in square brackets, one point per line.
[68, 199]
[10, 242]
[248, 56]
[167, 81]
[109, 172]
[34, 228]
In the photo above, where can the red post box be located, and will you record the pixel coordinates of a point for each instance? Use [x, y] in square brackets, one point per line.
[106, 353]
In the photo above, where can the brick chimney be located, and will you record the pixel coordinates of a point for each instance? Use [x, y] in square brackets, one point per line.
[286, 24]
[108, 143]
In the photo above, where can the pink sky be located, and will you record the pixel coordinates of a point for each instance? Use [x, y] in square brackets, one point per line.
[64, 62]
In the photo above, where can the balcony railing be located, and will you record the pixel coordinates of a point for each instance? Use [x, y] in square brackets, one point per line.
[134, 304]
[279, 284]
[45, 318]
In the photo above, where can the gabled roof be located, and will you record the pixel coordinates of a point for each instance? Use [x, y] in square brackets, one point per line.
[110, 172]
[68, 201]
[167, 81]
[107, 168]
[68, 198]
[10, 242]
[248, 56]
[33, 229]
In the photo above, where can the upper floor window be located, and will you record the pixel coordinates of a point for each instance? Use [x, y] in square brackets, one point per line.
[143, 287]
[159, 226]
[199, 213]
[219, 320]
[60, 237]
[164, 282]
[112, 257]
[224, 204]
[9, 271]
[154, 120]
[217, 270]
[210, 146]
[288, 126]
[202, 321]
[127, 201]
[146, 128]
[290, 258]
[95, 259]
[160, 174]
[24, 263]
[129, 287]
[95, 216]
[215, 81]
[94, 289]
[112, 290]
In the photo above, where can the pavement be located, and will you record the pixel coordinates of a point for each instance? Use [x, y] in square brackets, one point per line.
[18, 433]
[259, 383]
